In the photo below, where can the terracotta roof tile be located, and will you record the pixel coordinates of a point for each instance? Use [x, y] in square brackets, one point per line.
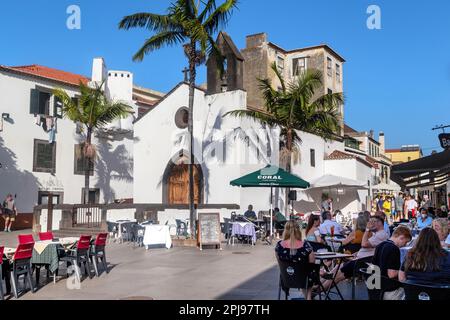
[50, 73]
[339, 155]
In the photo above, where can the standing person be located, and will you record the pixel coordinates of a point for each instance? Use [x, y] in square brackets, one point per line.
[426, 202]
[327, 204]
[375, 203]
[387, 258]
[411, 207]
[380, 206]
[387, 208]
[399, 204]
[9, 212]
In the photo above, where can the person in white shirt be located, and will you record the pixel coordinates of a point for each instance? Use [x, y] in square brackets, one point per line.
[327, 223]
[411, 207]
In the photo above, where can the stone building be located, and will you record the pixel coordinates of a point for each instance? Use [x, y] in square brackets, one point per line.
[260, 54]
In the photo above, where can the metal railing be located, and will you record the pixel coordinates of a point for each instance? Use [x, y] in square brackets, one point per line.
[87, 216]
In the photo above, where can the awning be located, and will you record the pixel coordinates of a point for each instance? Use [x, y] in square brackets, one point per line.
[270, 176]
[387, 187]
[433, 170]
[331, 181]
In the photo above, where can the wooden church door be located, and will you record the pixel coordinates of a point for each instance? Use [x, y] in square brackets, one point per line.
[179, 185]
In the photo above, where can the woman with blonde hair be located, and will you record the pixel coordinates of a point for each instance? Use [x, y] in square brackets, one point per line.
[441, 227]
[352, 243]
[293, 249]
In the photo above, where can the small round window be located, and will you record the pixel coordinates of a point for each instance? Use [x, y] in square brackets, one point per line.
[182, 118]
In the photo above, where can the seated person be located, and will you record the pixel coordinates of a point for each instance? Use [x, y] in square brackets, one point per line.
[427, 262]
[441, 227]
[279, 220]
[373, 236]
[352, 243]
[382, 215]
[327, 223]
[292, 249]
[250, 214]
[387, 258]
[312, 230]
[424, 221]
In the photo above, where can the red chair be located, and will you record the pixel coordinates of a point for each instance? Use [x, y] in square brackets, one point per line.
[98, 251]
[80, 255]
[25, 238]
[21, 266]
[2, 249]
[45, 236]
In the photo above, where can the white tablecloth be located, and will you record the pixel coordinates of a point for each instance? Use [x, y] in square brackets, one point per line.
[157, 235]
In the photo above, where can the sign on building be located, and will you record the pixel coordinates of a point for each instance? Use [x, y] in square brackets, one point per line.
[444, 138]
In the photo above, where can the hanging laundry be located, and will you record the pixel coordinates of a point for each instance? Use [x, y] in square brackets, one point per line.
[51, 135]
[37, 119]
[49, 122]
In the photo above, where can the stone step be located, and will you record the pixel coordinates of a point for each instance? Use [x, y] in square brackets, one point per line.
[76, 232]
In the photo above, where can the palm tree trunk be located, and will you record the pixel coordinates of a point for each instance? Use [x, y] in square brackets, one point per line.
[192, 76]
[288, 166]
[87, 167]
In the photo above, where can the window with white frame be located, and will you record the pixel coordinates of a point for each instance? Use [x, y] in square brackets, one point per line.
[298, 66]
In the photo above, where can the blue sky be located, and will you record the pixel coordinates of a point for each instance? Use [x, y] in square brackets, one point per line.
[397, 79]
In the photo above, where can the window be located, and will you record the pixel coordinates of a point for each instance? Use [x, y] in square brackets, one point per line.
[44, 156]
[338, 73]
[79, 161]
[182, 118]
[43, 197]
[94, 196]
[298, 66]
[40, 102]
[312, 153]
[280, 63]
[330, 91]
[329, 67]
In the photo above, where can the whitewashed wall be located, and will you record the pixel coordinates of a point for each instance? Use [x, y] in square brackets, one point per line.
[113, 168]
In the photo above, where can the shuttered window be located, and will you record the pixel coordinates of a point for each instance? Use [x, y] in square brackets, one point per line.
[44, 156]
[79, 161]
[40, 102]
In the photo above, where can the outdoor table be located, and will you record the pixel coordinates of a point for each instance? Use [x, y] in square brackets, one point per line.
[47, 253]
[327, 256]
[244, 229]
[333, 241]
[157, 235]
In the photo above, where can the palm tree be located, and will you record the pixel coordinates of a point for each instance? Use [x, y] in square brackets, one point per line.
[296, 106]
[192, 24]
[93, 111]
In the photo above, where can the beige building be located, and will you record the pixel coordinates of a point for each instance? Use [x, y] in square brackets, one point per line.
[259, 55]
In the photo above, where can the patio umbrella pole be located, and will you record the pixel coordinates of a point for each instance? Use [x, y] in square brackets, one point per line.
[271, 215]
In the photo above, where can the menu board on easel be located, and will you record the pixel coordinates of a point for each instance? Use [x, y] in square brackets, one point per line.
[209, 230]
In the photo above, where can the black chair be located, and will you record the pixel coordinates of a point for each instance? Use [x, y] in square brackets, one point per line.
[360, 264]
[415, 291]
[294, 275]
[374, 294]
[227, 228]
[319, 246]
[138, 235]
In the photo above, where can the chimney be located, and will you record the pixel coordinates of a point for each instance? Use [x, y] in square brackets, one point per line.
[99, 70]
[371, 133]
[382, 141]
[256, 40]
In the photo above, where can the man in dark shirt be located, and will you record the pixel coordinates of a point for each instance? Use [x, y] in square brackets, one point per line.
[250, 214]
[387, 258]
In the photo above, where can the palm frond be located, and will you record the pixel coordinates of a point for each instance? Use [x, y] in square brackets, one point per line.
[280, 77]
[210, 6]
[167, 38]
[260, 117]
[220, 16]
[150, 21]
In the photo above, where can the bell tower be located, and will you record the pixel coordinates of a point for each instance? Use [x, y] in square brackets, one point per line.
[233, 67]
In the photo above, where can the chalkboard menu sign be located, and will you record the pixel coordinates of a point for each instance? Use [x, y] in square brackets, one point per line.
[209, 229]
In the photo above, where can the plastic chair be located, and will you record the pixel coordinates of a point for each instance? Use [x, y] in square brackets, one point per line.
[2, 295]
[98, 252]
[21, 266]
[138, 235]
[415, 291]
[46, 236]
[80, 255]
[293, 276]
[25, 238]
